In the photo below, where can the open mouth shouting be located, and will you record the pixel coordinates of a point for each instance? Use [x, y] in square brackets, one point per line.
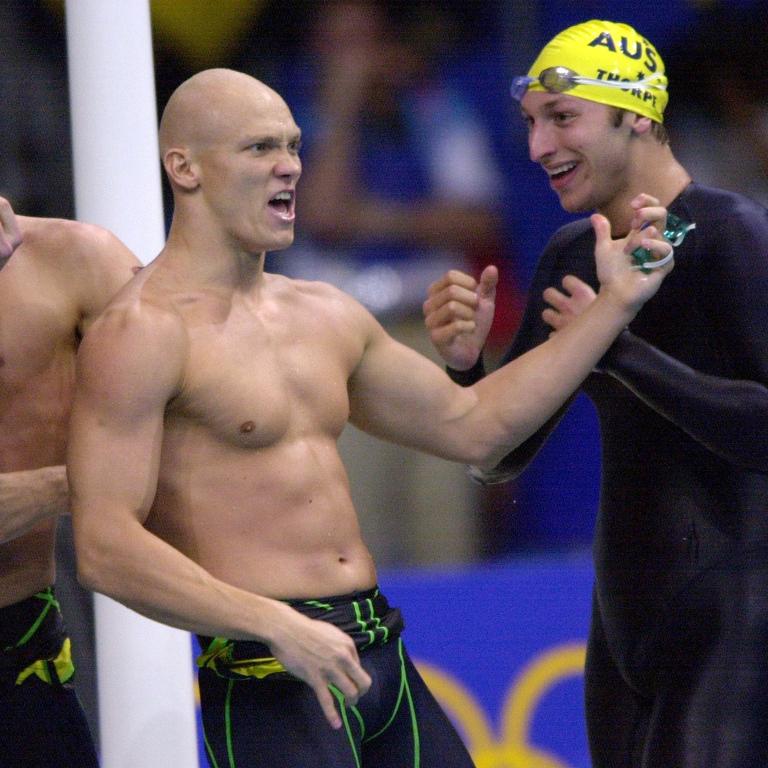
[284, 205]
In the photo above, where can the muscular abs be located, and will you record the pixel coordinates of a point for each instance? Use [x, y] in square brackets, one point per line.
[257, 420]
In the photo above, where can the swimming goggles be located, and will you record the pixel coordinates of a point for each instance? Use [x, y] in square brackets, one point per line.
[562, 79]
[674, 233]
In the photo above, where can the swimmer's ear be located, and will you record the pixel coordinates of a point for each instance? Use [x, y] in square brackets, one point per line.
[181, 170]
[641, 124]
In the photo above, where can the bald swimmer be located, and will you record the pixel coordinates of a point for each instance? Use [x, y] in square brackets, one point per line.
[208, 491]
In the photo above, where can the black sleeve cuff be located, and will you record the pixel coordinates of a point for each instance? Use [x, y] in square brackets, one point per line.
[470, 376]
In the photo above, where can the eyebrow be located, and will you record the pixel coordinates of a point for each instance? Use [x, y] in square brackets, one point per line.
[557, 103]
[271, 139]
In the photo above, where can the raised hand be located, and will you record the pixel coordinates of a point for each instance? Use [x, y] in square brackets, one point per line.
[647, 211]
[618, 276]
[567, 303]
[458, 314]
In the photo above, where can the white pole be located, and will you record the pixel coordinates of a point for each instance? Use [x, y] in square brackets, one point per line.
[145, 680]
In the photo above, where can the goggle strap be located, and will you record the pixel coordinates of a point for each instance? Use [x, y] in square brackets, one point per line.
[623, 84]
[519, 86]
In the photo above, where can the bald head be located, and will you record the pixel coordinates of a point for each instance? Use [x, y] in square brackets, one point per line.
[230, 146]
[203, 109]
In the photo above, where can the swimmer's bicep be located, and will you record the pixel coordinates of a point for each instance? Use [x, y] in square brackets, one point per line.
[401, 395]
[123, 385]
[112, 469]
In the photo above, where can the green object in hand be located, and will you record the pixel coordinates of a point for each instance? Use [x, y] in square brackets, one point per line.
[674, 233]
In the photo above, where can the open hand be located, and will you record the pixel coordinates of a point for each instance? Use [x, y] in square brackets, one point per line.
[568, 303]
[629, 286]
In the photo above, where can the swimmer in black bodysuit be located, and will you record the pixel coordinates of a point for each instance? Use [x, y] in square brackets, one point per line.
[677, 668]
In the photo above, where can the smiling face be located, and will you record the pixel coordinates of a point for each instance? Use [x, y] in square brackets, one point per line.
[586, 156]
[240, 159]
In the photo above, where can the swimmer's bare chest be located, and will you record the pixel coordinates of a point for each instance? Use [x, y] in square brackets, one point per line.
[258, 380]
[250, 458]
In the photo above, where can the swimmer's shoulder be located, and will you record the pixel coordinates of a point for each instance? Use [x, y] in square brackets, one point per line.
[138, 347]
[334, 313]
[324, 296]
[74, 244]
[141, 312]
[83, 261]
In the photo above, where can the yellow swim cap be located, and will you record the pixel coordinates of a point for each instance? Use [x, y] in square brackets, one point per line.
[603, 51]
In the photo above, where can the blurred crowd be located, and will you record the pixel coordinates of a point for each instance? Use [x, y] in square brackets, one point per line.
[414, 162]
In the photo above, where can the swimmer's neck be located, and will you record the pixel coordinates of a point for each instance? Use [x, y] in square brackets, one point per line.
[653, 170]
[212, 259]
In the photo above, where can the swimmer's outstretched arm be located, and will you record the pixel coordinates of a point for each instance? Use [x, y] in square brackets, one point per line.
[458, 314]
[399, 395]
[30, 496]
[130, 365]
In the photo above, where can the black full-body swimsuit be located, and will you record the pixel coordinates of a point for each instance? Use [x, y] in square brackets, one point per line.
[677, 663]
